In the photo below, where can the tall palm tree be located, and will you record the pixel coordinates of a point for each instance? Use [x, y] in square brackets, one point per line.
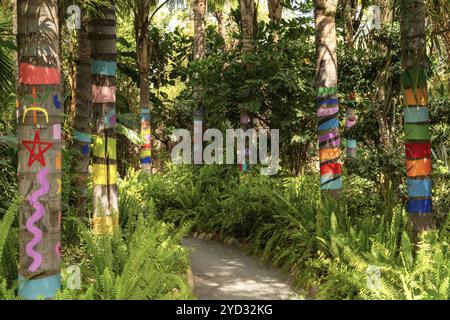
[199, 7]
[102, 35]
[217, 8]
[143, 12]
[248, 16]
[83, 116]
[416, 118]
[327, 100]
[39, 131]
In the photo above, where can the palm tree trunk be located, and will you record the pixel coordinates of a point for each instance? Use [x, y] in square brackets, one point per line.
[141, 18]
[221, 27]
[83, 118]
[199, 28]
[348, 17]
[350, 112]
[248, 12]
[350, 122]
[103, 70]
[327, 100]
[416, 114]
[275, 10]
[39, 131]
[199, 53]
[247, 8]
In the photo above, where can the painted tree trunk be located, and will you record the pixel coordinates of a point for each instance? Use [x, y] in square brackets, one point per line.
[248, 12]
[144, 85]
[350, 122]
[350, 112]
[416, 114]
[327, 99]
[39, 131]
[275, 10]
[83, 118]
[102, 35]
[199, 53]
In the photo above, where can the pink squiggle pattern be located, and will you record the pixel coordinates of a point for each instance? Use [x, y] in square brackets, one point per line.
[58, 250]
[36, 216]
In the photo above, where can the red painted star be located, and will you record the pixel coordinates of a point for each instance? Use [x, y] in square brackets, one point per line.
[31, 147]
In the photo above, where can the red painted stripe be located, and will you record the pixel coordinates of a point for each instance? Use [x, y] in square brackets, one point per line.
[330, 168]
[34, 75]
[417, 150]
[147, 146]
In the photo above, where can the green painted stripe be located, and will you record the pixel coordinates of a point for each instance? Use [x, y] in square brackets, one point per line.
[417, 131]
[99, 148]
[412, 76]
[321, 91]
[106, 68]
[416, 114]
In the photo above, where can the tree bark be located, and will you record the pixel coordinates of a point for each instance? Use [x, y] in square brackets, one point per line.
[221, 27]
[275, 10]
[248, 12]
[39, 132]
[83, 118]
[247, 8]
[102, 35]
[327, 99]
[416, 114]
[199, 28]
[199, 53]
[348, 17]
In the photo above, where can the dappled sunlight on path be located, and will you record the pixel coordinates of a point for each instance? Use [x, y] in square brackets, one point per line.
[224, 272]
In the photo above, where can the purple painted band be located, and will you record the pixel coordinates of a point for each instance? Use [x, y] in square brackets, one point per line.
[322, 112]
[327, 136]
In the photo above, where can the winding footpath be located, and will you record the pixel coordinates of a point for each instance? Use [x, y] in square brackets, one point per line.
[224, 273]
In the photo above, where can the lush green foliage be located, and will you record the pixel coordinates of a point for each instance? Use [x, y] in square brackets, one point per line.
[144, 260]
[326, 247]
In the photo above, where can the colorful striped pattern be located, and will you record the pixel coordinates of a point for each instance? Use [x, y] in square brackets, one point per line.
[103, 76]
[329, 139]
[350, 122]
[417, 148]
[146, 135]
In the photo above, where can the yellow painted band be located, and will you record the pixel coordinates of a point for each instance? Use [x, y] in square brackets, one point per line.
[105, 224]
[146, 153]
[104, 175]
